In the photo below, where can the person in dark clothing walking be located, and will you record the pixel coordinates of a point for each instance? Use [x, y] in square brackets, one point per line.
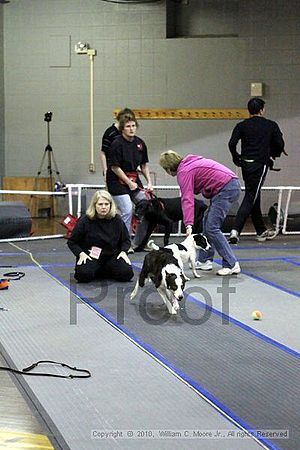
[100, 242]
[261, 142]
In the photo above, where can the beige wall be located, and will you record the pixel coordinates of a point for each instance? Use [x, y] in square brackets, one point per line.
[136, 66]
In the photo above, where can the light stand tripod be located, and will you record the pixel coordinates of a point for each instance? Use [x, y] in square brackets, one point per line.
[48, 153]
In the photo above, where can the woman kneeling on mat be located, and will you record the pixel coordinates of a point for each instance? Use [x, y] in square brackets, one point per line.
[100, 242]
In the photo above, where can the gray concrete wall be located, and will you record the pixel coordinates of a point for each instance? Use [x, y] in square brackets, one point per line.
[1, 98]
[207, 18]
[272, 35]
[136, 66]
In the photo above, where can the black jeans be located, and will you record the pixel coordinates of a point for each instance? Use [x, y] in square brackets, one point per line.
[106, 267]
[254, 175]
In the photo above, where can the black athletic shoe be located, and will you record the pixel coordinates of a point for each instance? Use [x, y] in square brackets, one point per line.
[234, 237]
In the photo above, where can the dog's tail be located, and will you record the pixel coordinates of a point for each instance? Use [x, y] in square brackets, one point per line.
[152, 245]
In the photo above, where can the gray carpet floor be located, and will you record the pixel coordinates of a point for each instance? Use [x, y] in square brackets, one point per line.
[209, 369]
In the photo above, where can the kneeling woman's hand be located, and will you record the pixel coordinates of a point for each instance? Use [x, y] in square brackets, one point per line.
[125, 257]
[82, 258]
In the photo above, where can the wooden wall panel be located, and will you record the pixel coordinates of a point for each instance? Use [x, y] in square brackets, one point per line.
[37, 204]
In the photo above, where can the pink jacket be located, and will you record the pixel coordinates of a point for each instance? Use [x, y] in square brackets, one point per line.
[196, 175]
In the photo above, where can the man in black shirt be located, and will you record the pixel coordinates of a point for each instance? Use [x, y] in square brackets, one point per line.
[109, 136]
[261, 142]
[127, 154]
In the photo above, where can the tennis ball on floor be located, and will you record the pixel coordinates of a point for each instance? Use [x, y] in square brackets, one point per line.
[256, 315]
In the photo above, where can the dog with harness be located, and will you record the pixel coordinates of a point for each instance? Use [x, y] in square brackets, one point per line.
[165, 211]
[163, 270]
[186, 251]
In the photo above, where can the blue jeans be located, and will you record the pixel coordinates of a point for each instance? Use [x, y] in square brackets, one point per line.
[213, 220]
[124, 205]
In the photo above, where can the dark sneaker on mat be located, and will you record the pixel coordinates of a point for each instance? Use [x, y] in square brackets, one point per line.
[233, 237]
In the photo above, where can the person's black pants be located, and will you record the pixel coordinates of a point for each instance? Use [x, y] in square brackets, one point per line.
[254, 175]
[104, 268]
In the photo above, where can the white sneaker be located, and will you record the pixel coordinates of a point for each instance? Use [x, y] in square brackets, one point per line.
[148, 248]
[233, 237]
[227, 271]
[266, 235]
[203, 266]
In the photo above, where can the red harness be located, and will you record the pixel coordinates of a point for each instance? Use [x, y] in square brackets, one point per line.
[132, 177]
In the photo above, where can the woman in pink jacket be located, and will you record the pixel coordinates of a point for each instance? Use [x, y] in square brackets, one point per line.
[198, 175]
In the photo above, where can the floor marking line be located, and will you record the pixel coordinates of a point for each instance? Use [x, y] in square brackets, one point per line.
[205, 395]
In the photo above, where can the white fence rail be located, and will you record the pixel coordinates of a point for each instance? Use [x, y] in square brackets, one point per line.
[75, 192]
[284, 194]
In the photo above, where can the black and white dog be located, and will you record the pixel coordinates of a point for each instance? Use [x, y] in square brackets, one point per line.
[165, 211]
[163, 270]
[186, 251]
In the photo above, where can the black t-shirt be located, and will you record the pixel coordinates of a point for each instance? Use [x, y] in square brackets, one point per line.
[108, 137]
[128, 155]
[111, 235]
[260, 139]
